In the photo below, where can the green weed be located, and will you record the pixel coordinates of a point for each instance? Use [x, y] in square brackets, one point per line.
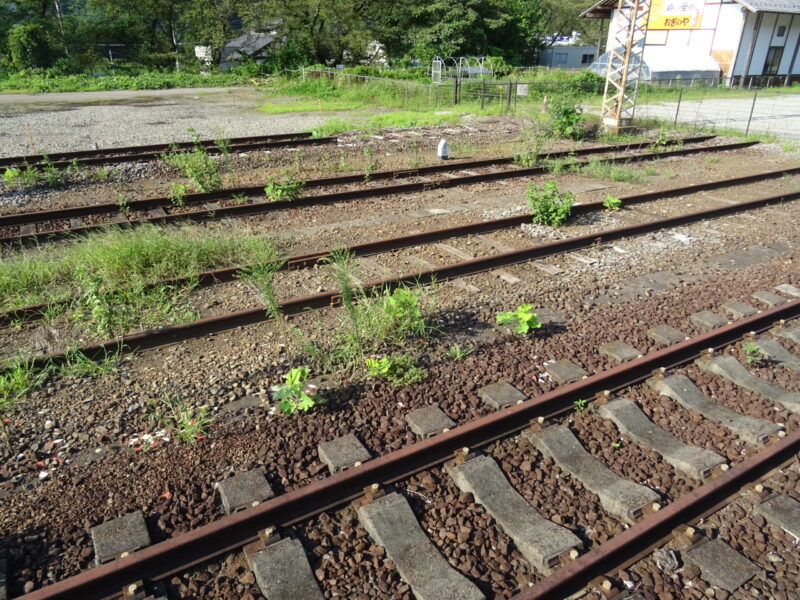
[292, 395]
[456, 352]
[523, 317]
[185, 423]
[286, 189]
[200, 168]
[608, 170]
[262, 275]
[398, 369]
[612, 203]
[77, 364]
[100, 175]
[565, 116]
[580, 405]
[752, 353]
[177, 194]
[547, 205]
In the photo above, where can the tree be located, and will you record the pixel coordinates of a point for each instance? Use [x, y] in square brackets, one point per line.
[29, 46]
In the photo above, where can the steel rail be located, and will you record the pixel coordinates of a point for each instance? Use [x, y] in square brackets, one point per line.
[229, 533]
[302, 261]
[131, 153]
[176, 333]
[575, 575]
[245, 210]
[199, 198]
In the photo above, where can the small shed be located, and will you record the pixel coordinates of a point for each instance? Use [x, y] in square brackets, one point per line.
[253, 44]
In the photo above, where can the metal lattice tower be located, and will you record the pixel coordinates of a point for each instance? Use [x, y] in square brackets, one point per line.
[625, 63]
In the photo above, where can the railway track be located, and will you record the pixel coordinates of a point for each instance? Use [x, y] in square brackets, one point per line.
[453, 271]
[47, 225]
[495, 464]
[308, 260]
[110, 156]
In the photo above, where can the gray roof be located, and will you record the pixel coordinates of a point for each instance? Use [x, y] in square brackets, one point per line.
[603, 8]
[249, 43]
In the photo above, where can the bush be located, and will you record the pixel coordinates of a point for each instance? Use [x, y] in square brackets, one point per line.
[28, 46]
[548, 206]
[565, 116]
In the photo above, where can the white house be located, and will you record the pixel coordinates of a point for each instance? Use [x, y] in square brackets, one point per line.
[736, 39]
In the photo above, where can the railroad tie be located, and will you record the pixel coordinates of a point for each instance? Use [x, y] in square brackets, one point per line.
[788, 289]
[543, 543]
[631, 421]
[619, 496]
[119, 537]
[282, 571]
[790, 333]
[391, 523]
[738, 310]
[774, 352]
[769, 298]
[782, 511]
[720, 565]
[683, 390]
[731, 369]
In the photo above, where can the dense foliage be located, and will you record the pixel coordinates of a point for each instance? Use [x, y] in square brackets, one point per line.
[44, 39]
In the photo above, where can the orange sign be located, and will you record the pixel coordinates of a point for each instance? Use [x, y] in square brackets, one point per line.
[675, 14]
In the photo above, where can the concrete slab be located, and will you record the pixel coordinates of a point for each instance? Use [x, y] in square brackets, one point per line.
[707, 320]
[732, 369]
[782, 511]
[738, 259]
[541, 542]
[620, 351]
[773, 351]
[244, 490]
[738, 310]
[156, 213]
[119, 218]
[27, 229]
[720, 565]
[392, 524]
[769, 298]
[666, 335]
[74, 223]
[565, 371]
[428, 421]
[788, 289]
[790, 333]
[501, 394]
[683, 390]
[342, 453]
[283, 573]
[122, 535]
[628, 417]
[620, 497]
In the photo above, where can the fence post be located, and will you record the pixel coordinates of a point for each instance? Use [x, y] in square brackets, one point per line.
[483, 92]
[508, 98]
[752, 108]
[678, 108]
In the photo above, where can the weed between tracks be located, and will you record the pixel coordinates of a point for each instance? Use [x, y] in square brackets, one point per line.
[107, 277]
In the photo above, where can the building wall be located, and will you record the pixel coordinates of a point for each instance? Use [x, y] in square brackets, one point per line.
[726, 34]
[567, 57]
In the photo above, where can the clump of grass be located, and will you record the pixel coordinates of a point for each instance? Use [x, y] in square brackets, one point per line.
[185, 423]
[77, 364]
[398, 369]
[91, 267]
[607, 170]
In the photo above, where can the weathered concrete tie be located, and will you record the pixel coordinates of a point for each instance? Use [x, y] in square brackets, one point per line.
[283, 573]
[782, 511]
[720, 565]
[541, 542]
[773, 351]
[695, 462]
[790, 333]
[683, 390]
[392, 524]
[732, 369]
[619, 496]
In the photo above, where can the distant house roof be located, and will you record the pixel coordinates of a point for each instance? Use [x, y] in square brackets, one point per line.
[603, 8]
[248, 44]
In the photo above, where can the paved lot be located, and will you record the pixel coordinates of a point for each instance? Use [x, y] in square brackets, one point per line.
[778, 114]
[85, 120]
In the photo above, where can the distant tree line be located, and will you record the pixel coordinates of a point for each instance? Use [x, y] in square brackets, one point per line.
[76, 36]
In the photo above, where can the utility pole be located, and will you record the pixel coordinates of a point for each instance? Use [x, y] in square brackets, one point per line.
[625, 64]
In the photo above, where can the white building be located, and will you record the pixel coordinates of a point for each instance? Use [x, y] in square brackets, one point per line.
[718, 38]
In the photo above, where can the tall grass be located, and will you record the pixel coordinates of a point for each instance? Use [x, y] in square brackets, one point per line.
[127, 259]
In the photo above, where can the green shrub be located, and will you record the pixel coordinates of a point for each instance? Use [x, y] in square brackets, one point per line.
[548, 206]
[28, 46]
[565, 116]
[523, 317]
[612, 203]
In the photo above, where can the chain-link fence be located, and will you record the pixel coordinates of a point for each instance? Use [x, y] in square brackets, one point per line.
[703, 104]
